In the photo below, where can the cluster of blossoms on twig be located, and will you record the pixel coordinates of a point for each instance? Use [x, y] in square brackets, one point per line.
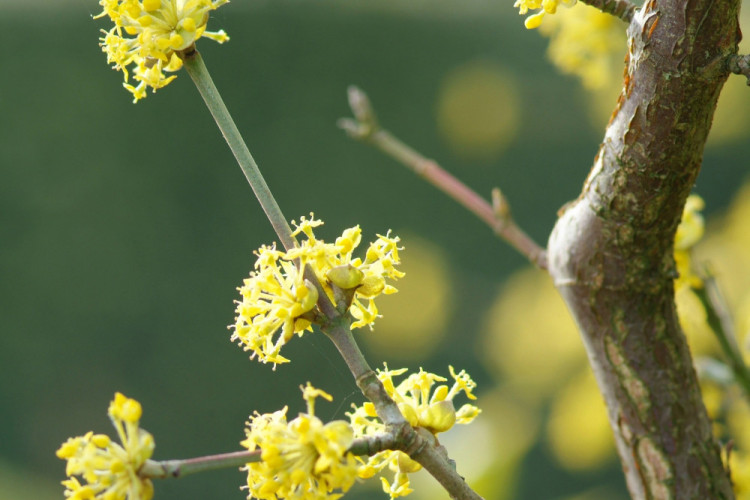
[542, 7]
[278, 301]
[425, 406]
[110, 470]
[302, 459]
[312, 282]
[149, 34]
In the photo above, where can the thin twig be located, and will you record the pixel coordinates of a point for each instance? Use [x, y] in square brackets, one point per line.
[622, 9]
[407, 438]
[366, 129]
[739, 65]
[719, 319]
[178, 468]
[197, 70]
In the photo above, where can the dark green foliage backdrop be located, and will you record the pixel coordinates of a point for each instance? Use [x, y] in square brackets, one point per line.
[124, 229]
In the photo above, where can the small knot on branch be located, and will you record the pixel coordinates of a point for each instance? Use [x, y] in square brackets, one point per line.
[501, 209]
[739, 65]
[365, 124]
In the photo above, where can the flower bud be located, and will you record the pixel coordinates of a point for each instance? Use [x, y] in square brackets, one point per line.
[438, 417]
[371, 286]
[345, 277]
[308, 296]
[409, 414]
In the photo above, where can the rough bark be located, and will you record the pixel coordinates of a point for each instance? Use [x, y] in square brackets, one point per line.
[610, 253]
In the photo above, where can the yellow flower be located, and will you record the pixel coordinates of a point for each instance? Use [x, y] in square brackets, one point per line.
[273, 297]
[109, 470]
[367, 277]
[692, 226]
[542, 7]
[302, 459]
[149, 34]
[587, 43]
[277, 297]
[423, 405]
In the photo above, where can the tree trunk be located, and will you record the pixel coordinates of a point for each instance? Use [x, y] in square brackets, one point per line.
[611, 254]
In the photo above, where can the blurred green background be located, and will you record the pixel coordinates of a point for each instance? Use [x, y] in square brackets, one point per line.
[125, 229]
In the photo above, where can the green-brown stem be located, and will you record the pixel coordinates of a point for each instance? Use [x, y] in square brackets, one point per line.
[401, 433]
[720, 323]
[420, 446]
[202, 79]
[178, 468]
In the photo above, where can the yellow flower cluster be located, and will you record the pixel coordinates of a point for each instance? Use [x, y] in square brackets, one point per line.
[423, 405]
[542, 7]
[109, 470]
[587, 43]
[276, 296]
[302, 459]
[159, 30]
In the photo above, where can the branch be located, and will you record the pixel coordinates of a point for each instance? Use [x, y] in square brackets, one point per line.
[739, 65]
[179, 468]
[611, 252]
[197, 70]
[418, 443]
[497, 216]
[622, 9]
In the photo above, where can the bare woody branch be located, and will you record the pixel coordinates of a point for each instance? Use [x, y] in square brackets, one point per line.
[496, 215]
[611, 251]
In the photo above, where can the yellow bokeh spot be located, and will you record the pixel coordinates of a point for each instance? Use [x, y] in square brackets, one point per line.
[737, 417]
[529, 336]
[732, 116]
[478, 110]
[413, 322]
[739, 464]
[578, 428]
[724, 249]
[692, 317]
[742, 320]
